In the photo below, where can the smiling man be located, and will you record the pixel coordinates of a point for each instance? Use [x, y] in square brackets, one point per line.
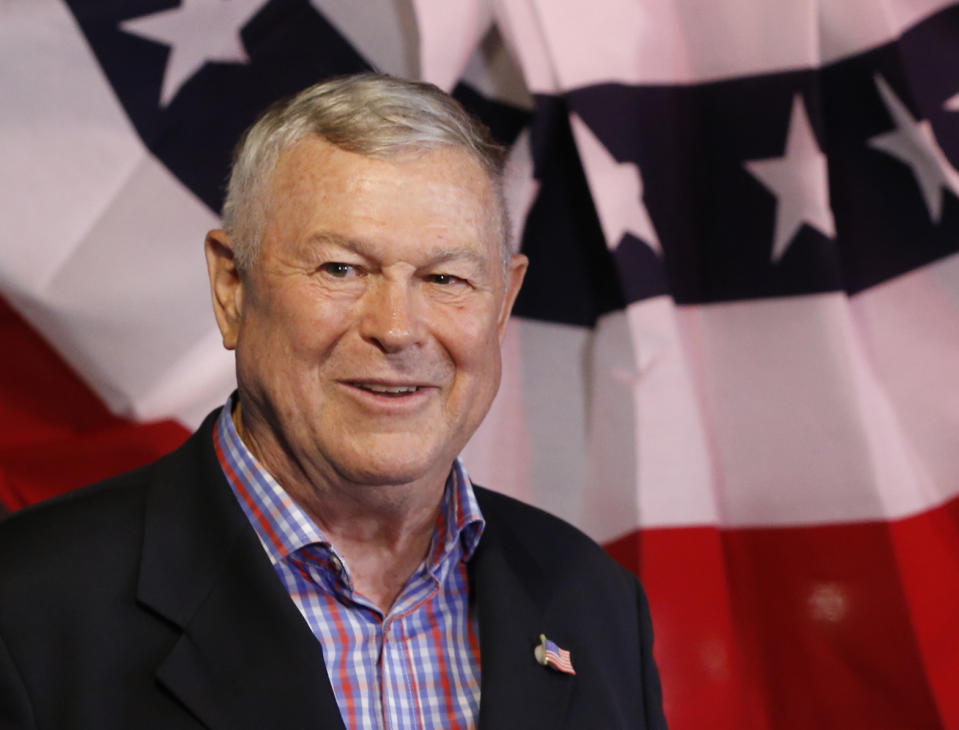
[316, 555]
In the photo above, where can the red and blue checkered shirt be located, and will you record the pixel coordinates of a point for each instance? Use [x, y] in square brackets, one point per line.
[416, 667]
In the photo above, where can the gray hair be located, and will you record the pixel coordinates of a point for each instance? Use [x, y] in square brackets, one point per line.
[370, 114]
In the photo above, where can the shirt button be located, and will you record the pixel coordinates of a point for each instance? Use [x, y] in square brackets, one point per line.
[336, 564]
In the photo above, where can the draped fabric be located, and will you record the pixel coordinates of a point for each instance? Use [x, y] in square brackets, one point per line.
[734, 359]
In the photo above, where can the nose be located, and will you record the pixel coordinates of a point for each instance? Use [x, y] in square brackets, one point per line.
[391, 319]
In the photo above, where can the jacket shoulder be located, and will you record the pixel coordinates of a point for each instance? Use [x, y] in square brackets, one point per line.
[556, 544]
[98, 522]
[87, 515]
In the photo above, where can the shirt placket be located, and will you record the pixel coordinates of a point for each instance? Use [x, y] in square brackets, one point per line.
[402, 668]
[356, 678]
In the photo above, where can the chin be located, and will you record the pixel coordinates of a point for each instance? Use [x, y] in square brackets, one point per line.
[415, 453]
[381, 468]
[384, 476]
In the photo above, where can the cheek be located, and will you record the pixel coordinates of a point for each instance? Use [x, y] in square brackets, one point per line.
[473, 320]
[288, 333]
[474, 347]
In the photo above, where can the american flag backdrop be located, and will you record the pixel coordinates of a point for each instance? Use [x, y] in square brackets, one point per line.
[735, 359]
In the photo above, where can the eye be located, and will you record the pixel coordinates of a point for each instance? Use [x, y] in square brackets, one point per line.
[338, 270]
[444, 279]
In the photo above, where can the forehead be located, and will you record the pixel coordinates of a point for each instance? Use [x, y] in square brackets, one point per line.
[318, 176]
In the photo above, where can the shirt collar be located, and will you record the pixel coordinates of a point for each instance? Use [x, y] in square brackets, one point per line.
[284, 527]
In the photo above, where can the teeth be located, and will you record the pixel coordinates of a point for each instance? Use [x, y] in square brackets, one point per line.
[391, 389]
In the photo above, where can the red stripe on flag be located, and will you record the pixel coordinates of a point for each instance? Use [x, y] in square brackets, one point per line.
[832, 626]
[561, 660]
[55, 434]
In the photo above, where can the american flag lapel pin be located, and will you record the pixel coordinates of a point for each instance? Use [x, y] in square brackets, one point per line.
[550, 655]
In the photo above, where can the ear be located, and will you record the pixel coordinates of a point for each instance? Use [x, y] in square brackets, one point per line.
[226, 285]
[515, 273]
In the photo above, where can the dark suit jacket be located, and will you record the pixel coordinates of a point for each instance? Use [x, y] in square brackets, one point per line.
[146, 601]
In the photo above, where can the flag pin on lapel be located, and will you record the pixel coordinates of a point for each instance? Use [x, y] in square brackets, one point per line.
[550, 655]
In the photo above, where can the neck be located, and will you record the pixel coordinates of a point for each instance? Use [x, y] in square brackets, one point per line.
[383, 531]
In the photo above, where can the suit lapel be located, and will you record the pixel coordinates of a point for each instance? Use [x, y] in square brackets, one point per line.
[246, 657]
[516, 690]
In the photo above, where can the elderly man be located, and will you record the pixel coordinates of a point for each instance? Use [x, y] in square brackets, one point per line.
[315, 556]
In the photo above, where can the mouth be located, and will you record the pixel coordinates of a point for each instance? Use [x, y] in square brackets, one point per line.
[389, 391]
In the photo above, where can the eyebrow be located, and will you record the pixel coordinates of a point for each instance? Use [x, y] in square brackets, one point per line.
[364, 249]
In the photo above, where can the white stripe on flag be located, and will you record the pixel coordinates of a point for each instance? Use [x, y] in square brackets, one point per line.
[662, 41]
[804, 429]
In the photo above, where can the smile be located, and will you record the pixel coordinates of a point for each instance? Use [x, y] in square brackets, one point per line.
[388, 390]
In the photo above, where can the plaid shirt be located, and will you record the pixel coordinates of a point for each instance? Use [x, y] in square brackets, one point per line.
[416, 667]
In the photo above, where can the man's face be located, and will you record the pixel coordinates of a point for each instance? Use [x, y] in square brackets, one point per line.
[367, 334]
